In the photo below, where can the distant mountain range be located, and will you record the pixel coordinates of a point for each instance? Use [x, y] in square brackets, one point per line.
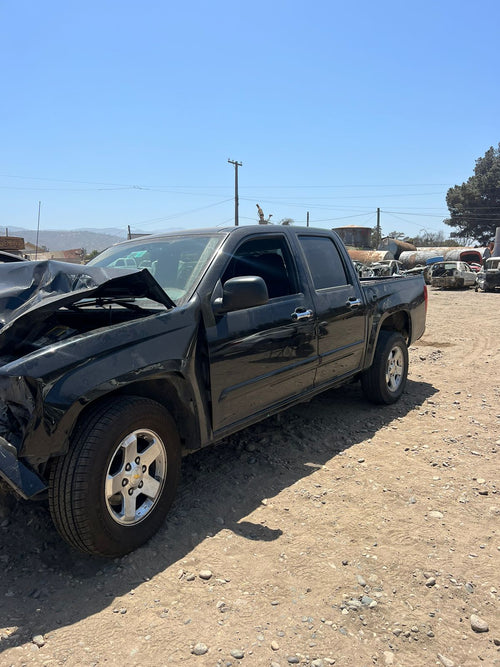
[89, 239]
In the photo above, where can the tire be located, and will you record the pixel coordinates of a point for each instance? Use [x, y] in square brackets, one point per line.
[112, 490]
[385, 380]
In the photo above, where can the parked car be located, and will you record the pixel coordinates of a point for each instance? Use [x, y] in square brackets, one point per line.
[489, 277]
[452, 275]
[363, 270]
[386, 267]
[109, 375]
[420, 270]
[474, 267]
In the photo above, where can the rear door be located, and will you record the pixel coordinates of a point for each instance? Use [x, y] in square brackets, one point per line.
[341, 313]
[261, 356]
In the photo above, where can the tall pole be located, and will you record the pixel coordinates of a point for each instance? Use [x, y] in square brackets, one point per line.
[236, 165]
[307, 219]
[379, 235]
[37, 229]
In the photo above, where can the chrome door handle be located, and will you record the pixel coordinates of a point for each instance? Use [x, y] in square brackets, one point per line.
[302, 314]
[353, 302]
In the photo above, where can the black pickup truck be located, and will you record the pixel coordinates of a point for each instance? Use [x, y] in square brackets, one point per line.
[110, 372]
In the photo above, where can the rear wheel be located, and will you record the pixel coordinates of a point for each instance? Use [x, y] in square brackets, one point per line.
[385, 380]
[111, 492]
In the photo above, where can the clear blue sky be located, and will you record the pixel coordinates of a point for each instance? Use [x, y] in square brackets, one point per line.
[119, 113]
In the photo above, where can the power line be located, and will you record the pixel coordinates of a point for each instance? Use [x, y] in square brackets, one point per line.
[178, 215]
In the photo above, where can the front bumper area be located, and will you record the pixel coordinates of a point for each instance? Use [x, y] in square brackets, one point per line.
[21, 478]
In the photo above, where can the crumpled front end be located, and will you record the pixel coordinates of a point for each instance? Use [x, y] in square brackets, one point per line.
[447, 282]
[17, 411]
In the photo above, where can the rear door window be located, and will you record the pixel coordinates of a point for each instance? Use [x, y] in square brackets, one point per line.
[325, 264]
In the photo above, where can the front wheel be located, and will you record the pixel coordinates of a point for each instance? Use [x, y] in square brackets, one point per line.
[385, 380]
[111, 492]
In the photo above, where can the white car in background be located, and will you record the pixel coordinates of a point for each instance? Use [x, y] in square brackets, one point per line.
[452, 275]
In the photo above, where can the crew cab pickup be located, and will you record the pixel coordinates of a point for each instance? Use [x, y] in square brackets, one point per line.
[111, 372]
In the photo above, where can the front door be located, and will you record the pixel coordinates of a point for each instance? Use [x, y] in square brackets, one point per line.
[261, 356]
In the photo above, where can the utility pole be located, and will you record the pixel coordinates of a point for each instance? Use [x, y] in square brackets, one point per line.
[379, 234]
[37, 229]
[307, 225]
[236, 165]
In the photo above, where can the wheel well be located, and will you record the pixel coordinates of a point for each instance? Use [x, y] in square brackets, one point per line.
[398, 322]
[173, 394]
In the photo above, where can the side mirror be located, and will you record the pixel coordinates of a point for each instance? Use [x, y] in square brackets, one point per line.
[240, 293]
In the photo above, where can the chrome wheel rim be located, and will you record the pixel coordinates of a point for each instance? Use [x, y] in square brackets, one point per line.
[395, 369]
[135, 477]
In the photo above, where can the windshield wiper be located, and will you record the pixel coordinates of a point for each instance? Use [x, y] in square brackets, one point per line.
[126, 302]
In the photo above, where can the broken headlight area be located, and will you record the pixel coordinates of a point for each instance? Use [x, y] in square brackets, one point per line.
[17, 406]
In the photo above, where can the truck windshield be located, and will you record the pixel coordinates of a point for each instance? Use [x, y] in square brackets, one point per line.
[176, 262]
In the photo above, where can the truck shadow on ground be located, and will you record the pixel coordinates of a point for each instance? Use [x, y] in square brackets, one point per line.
[46, 585]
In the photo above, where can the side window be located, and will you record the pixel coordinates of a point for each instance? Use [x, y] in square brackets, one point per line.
[325, 263]
[268, 258]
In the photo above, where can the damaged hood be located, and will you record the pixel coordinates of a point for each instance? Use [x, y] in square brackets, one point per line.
[33, 290]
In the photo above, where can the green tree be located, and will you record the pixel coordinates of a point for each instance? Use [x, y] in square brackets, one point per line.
[475, 205]
[90, 255]
[431, 239]
[398, 236]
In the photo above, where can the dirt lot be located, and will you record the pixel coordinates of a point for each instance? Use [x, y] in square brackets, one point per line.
[339, 533]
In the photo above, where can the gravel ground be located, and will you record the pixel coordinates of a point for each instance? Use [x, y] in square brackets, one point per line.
[338, 533]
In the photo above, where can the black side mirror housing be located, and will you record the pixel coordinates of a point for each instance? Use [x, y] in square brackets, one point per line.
[240, 293]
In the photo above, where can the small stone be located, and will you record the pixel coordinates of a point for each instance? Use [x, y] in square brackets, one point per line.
[435, 514]
[199, 649]
[38, 640]
[431, 581]
[205, 574]
[469, 587]
[477, 624]
[445, 661]
[238, 654]
[293, 660]
[388, 658]
[275, 646]
[317, 663]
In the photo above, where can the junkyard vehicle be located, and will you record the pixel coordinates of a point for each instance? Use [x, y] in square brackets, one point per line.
[419, 270]
[452, 275]
[489, 276]
[109, 375]
[386, 267]
[363, 270]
